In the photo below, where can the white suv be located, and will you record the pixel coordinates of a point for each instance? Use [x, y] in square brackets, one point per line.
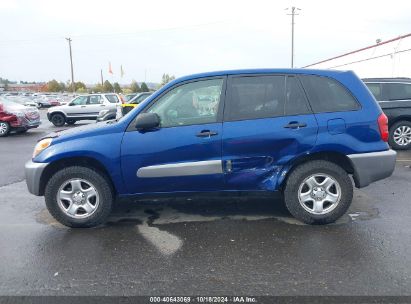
[84, 107]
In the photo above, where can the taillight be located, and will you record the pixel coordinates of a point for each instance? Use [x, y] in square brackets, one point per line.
[383, 126]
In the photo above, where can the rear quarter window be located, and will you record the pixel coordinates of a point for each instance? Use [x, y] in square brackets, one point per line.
[328, 95]
[112, 98]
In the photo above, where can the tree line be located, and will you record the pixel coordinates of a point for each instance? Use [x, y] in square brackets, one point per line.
[106, 87]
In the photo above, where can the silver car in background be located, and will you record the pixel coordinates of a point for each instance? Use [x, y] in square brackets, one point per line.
[84, 107]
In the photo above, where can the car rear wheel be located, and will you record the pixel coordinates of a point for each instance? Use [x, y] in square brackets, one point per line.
[400, 135]
[318, 192]
[4, 128]
[40, 105]
[79, 197]
[58, 119]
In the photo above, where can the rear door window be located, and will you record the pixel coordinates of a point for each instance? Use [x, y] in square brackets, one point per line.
[254, 97]
[94, 99]
[296, 102]
[328, 95]
[397, 91]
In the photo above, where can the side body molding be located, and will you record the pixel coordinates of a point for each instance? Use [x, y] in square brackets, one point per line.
[182, 169]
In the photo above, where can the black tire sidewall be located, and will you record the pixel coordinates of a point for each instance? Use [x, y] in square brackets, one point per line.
[63, 119]
[8, 129]
[317, 167]
[102, 186]
[391, 141]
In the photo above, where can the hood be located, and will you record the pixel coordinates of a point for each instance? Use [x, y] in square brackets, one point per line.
[84, 131]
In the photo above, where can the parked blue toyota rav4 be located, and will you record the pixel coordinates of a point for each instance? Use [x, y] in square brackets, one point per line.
[299, 132]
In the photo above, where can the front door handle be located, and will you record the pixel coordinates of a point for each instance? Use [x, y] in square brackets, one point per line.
[206, 133]
[82, 106]
[295, 125]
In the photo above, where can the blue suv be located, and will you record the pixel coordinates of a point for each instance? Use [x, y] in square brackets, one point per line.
[299, 132]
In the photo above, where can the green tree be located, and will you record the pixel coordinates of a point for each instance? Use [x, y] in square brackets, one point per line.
[144, 87]
[98, 88]
[78, 85]
[117, 88]
[81, 90]
[53, 86]
[62, 86]
[107, 87]
[134, 87]
[166, 79]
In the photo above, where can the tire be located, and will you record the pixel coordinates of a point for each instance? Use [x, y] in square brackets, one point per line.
[297, 189]
[58, 119]
[4, 128]
[40, 105]
[70, 122]
[400, 135]
[56, 193]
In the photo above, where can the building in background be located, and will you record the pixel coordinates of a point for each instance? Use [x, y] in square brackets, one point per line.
[391, 58]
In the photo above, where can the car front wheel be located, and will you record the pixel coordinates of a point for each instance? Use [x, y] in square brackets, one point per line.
[4, 128]
[58, 119]
[400, 135]
[79, 197]
[318, 192]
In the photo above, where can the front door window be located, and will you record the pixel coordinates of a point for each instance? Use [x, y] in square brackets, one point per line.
[189, 104]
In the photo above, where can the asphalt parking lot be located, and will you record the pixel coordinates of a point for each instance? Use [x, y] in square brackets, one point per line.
[193, 246]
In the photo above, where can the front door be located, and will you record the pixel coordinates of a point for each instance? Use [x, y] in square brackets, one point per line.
[267, 122]
[184, 154]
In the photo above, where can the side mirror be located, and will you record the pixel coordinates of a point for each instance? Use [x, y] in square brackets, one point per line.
[147, 121]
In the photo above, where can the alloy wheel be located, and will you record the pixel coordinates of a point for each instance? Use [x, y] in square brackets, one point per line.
[319, 194]
[402, 135]
[78, 198]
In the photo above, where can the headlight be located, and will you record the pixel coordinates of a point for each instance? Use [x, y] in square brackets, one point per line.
[41, 145]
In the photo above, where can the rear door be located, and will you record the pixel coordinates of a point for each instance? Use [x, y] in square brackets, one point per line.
[94, 105]
[267, 122]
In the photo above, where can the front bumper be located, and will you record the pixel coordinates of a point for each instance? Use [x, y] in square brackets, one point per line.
[371, 167]
[33, 172]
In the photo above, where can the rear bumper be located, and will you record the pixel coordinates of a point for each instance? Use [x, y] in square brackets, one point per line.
[371, 167]
[33, 172]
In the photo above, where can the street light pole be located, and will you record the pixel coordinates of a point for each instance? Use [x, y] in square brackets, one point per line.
[293, 14]
[73, 86]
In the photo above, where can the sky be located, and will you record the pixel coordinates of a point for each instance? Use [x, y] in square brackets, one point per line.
[180, 37]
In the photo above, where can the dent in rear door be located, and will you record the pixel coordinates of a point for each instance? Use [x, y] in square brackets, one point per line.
[256, 145]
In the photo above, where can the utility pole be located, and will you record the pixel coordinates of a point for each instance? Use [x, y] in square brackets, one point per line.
[293, 13]
[101, 74]
[73, 86]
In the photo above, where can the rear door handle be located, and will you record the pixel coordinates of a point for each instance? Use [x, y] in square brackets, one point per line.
[206, 133]
[82, 106]
[295, 125]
